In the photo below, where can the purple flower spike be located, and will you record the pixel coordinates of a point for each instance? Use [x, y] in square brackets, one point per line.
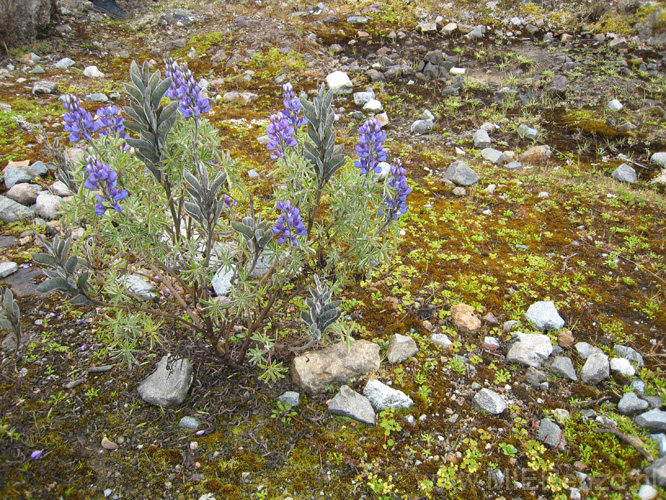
[110, 122]
[289, 224]
[396, 205]
[369, 148]
[36, 455]
[78, 122]
[281, 134]
[102, 178]
[292, 107]
[185, 88]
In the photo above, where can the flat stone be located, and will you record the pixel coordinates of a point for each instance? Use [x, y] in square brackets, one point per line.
[7, 268]
[595, 369]
[631, 404]
[349, 403]
[481, 139]
[464, 318]
[526, 132]
[558, 86]
[614, 106]
[544, 316]
[24, 193]
[461, 174]
[653, 420]
[493, 155]
[11, 211]
[191, 423]
[489, 401]
[624, 173]
[401, 348]
[551, 434]
[420, 127]
[536, 155]
[169, 384]
[362, 98]
[339, 83]
[382, 397]
[47, 206]
[459, 191]
[138, 285]
[18, 175]
[660, 439]
[441, 340]
[529, 349]
[373, 106]
[59, 188]
[315, 371]
[97, 97]
[656, 472]
[44, 87]
[93, 72]
[290, 398]
[622, 366]
[65, 63]
[564, 366]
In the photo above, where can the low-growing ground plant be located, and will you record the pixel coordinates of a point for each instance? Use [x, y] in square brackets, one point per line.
[166, 205]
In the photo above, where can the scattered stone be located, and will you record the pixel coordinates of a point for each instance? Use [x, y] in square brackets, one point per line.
[7, 268]
[529, 349]
[461, 174]
[47, 206]
[382, 397]
[427, 27]
[24, 193]
[653, 420]
[661, 441]
[544, 316]
[59, 188]
[507, 326]
[44, 87]
[481, 139]
[656, 472]
[382, 119]
[595, 369]
[169, 384]
[526, 132]
[315, 371]
[623, 366]
[290, 398]
[659, 159]
[464, 318]
[138, 285]
[420, 127]
[362, 98]
[631, 404]
[624, 173]
[489, 401]
[457, 71]
[37, 70]
[564, 366]
[535, 377]
[491, 343]
[221, 282]
[647, 492]
[97, 98]
[450, 28]
[565, 339]
[357, 20]
[93, 72]
[476, 33]
[638, 386]
[349, 403]
[11, 211]
[513, 165]
[551, 434]
[18, 175]
[493, 155]
[585, 350]
[491, 319]
[107, 444]
[441, 340]
[401, 348]
[339, 83]
[618, 43]
[558, 86]
[191, 423]
[65, 63]
[535, 155]
[561, 415]
[373, 106]
[614, 106]
[629, 353]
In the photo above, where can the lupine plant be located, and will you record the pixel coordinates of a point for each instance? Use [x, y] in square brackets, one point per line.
[230, 276]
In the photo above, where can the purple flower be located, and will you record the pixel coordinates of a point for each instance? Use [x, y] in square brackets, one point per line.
[289, 224]
[185, 88]
[369, 148]
[102, 178]
[292, 107]
[110, 122]
[78, 122]
[396, 205]
[281, 134]
[36, 455]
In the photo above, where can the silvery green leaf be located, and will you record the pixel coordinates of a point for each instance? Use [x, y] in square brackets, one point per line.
[53, 284]
[134, 92]
[82, 279]
[4, 323]
[45, 259]
[159, 91]
[79, 300]
[8, 300]
[71, 264]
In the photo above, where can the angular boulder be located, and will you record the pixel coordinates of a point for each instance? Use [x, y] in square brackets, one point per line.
[544, 316]
[382, 397]
[315, 371]
[349, 403]
[529, 349]
[401, 348]
[169, 384]
[461, 174]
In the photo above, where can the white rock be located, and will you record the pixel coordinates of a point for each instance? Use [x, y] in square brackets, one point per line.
[47, 206]
[622, 366]
[489, 401]
[7, 268]
[529, 349]
[383, 397]
[441, 340]
[373, 106]
[93, 72]
[659, 159]
[339, 83]
[647, 492]
[614, 105]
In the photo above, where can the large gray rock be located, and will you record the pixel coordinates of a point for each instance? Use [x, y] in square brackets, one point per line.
[382, 397]
[315, 371]
[624, 173]
[586, 350]
[10, 211]
[529, 349]
[22, 20]
[595, 369]
[349, 403]
[630, 404]
[461, 174]
[401, 348]
[44, 87]
[17, 175]
[339, 83]
[494, 156]
[290, 398]
[564, 366]
[363, 98]
[653, 420]
[544, 316]
[656, 472]
[24, 193]
[551, 434]
[47, 206]
[489, 401]
[441, 340]
[169, 384]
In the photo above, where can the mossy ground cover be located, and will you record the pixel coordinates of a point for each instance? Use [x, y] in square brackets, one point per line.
[593, 246]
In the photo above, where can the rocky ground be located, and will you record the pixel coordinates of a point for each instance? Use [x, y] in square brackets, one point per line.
[514, 347]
